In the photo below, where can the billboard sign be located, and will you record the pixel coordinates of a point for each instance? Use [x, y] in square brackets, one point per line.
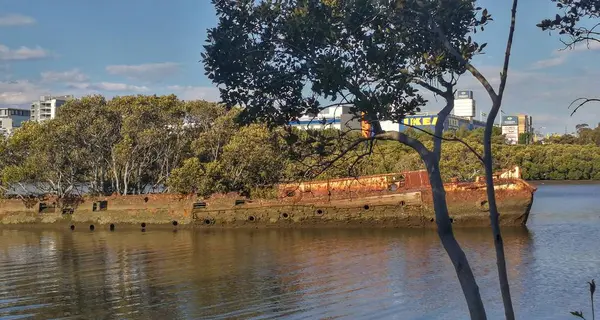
[510, 121]
[420, 121]
[511, 133]
[464, 95]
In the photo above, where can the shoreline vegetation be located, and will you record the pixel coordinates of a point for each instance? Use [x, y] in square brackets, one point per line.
[135, 144]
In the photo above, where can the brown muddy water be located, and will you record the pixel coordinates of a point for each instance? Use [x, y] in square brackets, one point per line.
[301, 274]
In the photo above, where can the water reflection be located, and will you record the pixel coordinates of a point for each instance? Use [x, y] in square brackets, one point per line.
[309, 274]
[231, 274]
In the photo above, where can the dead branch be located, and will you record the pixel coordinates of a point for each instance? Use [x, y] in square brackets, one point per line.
[585, 35]
[581, 102]
[454, 139]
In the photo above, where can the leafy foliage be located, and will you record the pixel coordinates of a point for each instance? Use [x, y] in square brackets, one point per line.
[280, 60]
[570, 23]
[102, 145]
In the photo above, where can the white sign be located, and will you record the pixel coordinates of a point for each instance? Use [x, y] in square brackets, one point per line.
[511, 133]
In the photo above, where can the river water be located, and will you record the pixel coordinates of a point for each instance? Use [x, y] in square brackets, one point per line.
[302, 274]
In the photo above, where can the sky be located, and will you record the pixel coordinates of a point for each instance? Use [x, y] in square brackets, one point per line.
[120, 47]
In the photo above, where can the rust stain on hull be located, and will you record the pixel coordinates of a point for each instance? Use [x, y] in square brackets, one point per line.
[388, 200]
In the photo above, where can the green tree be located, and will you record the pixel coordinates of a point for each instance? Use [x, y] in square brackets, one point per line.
[252, 158]
[96, 130]
[192, 177]
[525, 138]
[45, 156]
[151, 131]
[282, 60]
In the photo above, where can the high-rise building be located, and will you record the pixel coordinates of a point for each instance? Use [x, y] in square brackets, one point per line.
[45, 108]
[514, 126]
[525, 123]
[11, 118]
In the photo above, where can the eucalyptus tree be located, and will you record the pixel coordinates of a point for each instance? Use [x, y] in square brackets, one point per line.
[281, 59]
[151, 137]
[97, 131]
[45, 157]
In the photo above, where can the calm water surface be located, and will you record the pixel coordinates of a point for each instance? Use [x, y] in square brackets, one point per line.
[301, 274]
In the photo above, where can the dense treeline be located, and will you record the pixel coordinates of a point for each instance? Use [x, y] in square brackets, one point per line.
[585, 135]
[139, 144]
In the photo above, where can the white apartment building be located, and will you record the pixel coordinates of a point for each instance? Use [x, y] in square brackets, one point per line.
[45, 108]
[338, 117]
[11, 118]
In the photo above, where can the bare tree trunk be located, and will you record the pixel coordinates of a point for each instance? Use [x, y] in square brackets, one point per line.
[494, 220]
[457, 255]
[445, 232]
[125, 179]
[489, 175]
[444, 227]
[496, 103]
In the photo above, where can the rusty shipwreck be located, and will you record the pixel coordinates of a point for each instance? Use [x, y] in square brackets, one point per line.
[386, 200]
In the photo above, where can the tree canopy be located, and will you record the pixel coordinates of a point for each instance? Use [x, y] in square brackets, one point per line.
[280, 60]
[571, 20]
[197, 147]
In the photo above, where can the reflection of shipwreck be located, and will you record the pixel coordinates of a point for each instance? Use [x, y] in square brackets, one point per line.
[386, 200]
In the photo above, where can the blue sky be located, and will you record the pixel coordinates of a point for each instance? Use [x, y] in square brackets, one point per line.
[153, 47]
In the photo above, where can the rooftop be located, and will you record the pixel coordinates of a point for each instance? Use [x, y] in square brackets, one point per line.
[50, 97]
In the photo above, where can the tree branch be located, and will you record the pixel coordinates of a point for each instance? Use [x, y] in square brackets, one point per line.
[480, 77]
[509, 42]
[581, 102]
[392, 135]
[429, 87]
[455, 139]
[488, 164]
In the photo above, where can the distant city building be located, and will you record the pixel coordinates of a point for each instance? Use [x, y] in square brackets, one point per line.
[514, 126]
[428, 122]
[338, 117]
[12, 118]
[45, 108]
[526, 126]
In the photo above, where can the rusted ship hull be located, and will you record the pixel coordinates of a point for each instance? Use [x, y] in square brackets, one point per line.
[392, 200]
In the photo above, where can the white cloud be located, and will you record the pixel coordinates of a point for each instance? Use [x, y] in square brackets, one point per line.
[74, 75]
[551, 62]
[543, 95]
[22, 53]
[145, 72]
[196, 93]
[582, 46]
[108, 86]
[9, 20]
[19, 92]
[559, 57]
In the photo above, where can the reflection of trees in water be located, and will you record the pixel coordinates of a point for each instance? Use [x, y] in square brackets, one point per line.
[91, 275]
[233, 272]
[271, 271]
[241, 272]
